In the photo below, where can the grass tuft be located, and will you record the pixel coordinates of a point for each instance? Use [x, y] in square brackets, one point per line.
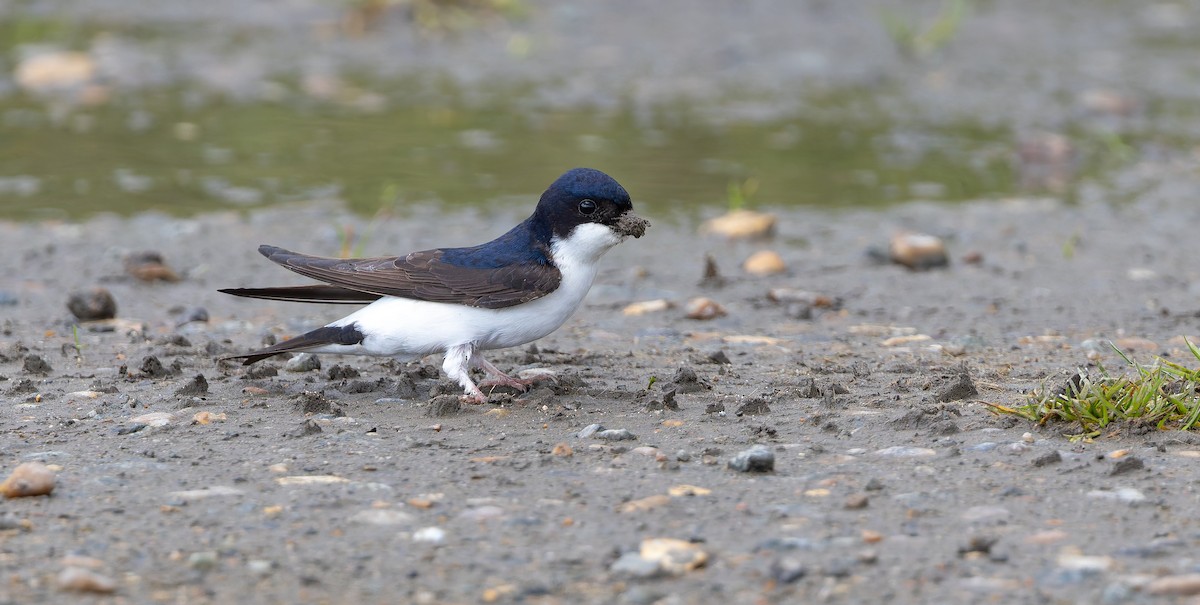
[915, 42]
[1164, 393]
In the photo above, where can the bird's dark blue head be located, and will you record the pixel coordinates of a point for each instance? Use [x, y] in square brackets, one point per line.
[582, 195]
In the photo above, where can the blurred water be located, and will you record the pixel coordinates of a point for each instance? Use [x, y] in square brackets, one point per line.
[158, 153]
[126, 106]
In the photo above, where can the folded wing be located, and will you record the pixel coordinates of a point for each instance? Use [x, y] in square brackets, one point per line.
[420, 276]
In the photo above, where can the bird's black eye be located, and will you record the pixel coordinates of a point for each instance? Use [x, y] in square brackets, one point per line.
[587, 207]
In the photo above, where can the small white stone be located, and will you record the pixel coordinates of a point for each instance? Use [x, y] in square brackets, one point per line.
[905, 451]
[433, 535]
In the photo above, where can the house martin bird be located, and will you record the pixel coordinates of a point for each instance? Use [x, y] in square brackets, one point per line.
[512, 290]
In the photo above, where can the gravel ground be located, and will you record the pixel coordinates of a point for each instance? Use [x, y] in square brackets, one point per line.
[835, 446]
[185, 480]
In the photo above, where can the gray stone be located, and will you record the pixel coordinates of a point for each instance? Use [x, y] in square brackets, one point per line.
[615, 435]
[758, 459]
[632, 565]
[590, 430]
[304, 362]
[786, 570]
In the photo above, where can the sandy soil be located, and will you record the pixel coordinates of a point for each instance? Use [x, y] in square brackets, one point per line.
[358, 483]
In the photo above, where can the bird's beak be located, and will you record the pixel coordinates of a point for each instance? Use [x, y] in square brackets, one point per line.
[631, 224]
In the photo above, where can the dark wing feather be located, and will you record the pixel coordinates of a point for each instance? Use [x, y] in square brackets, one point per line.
[426, 276]
[328, 335]
[319, 293]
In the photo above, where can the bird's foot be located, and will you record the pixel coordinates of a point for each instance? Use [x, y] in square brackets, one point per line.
[473, 396]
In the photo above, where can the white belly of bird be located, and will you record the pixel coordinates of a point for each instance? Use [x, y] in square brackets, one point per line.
[402, 327]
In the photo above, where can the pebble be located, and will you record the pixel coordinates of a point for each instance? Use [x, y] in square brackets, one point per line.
[906, 451]
[95, 304]
[1123, 494]
[562, 450]
[918, 251]
[149, 266]
[718, 357]
[758, 459]
[310, 480]
[786, 570]
[675, 557]
[1182, 585]
[79, 579]
[1084, 563]
[1051, 457]
[152, 419]
[1049, 536]
[482, 513]
[682, 490]
[29, 479]
[205, 417]
[1016, 448]
[647, 306]
[764, 262]
[203, 560]
[590, 430]
[633, 565]
[954, 349]
[381, 516]
[644, 504]
[792, 295]
[986, 584]
[905, 340]
[205, 492]
[259, 567]
[615, 435]
[703, 309]
[1126, 465]
[856, 501]
[741, 224]
[304, 362]
[433, 535]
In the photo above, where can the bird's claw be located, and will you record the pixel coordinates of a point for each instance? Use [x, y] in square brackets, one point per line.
[473, 398]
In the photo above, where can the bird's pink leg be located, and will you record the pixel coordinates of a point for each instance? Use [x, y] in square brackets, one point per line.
[456, 366]
[499, 379]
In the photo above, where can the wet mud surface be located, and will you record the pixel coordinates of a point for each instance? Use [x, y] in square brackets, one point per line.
[826, 438]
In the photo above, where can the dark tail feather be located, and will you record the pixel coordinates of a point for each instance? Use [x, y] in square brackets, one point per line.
[328, 335]
[318, 293]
